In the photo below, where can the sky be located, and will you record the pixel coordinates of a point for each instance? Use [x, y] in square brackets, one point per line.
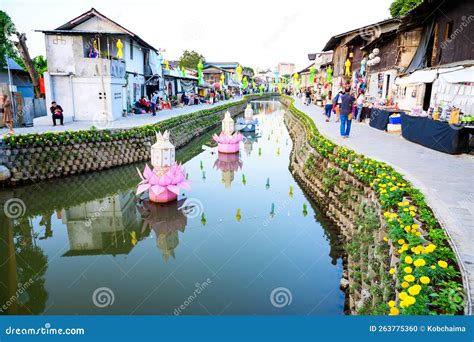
[259, 34]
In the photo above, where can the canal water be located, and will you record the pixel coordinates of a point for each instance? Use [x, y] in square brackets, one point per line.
[248, 240]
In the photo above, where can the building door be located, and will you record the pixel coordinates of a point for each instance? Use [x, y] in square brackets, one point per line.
[427, 96]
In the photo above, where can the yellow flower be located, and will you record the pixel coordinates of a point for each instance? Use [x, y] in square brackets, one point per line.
[409, 278]
[386, 214]
[433, 267]
[394, 311]
[408, 269]
[407, 229]
[442, 264]
[400, 204]
[417, 233]
[415, 226]
[414, 290]
[403, 295]
[408, 259]
[391, 303]
[430, 248]
[391, 271]
[412, 213]
[419, 262]
[405, 284]
[385, 238]
[412, 208]
[406, 203]
[393, 215]
[424, 280]
[401, 242]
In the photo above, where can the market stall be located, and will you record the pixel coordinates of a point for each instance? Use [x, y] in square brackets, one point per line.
[435, 134]
[380, 117]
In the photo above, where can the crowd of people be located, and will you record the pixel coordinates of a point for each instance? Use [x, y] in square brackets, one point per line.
[345, 106]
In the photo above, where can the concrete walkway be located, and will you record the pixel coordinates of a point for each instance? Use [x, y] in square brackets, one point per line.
[447, 181]
[44, 124]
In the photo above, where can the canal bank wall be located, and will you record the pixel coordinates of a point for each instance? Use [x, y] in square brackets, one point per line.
[37, 157]
[380, 248]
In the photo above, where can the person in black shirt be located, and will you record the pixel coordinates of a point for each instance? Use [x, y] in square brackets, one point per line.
[57, 112]
[347, 101]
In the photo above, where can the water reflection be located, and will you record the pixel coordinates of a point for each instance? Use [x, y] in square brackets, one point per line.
[228, 163]
[105, 226]
[87, 231]
[166, 220]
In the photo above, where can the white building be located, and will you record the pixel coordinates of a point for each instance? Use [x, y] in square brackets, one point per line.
[98, 69]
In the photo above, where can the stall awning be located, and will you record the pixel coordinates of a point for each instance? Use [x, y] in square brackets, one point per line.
[420, 76]
[459, 76]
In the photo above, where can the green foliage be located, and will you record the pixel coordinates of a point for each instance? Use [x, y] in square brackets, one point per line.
[7, 29]
[190, 59]
[403, 205]
[401, 7]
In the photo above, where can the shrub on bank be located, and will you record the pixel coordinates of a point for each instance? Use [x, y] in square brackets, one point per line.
[428, 281]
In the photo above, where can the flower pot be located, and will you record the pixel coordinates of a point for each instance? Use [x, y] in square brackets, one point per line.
[164, 197]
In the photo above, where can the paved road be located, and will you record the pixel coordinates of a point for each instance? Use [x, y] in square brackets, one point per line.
[446, 180]
[44, 124]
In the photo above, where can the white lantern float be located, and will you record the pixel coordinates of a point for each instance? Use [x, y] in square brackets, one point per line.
[228, 126]
[248, 114]
[162, 152]
[164, 181]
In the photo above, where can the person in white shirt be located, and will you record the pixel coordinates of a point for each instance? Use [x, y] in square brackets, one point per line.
[360, 105]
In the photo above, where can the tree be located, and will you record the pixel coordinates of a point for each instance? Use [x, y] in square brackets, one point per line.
[16, 49]
[190, 59]
[41, 65]
[249, 70]
[401, 7]
[7, 48]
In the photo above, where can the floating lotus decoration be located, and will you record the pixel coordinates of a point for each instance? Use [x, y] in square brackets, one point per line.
[228, 141]
[163, 186]
[163, 183]
[247, 123]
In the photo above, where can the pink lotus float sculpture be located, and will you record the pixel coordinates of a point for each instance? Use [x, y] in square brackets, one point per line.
[167, 178]
[228, 141]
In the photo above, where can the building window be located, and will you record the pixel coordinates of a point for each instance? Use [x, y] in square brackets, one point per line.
[131, 49]
[449, 30]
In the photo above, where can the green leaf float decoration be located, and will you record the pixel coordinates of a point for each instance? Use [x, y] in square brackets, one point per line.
[244, 181]
[305, 209]
[291, 191]
[203, 219]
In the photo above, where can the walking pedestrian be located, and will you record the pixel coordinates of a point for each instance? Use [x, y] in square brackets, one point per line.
[307, 97]
[57, 113]
[8, 114]
[154, 100]
[328, 106]
[347, 100]
[360, 105]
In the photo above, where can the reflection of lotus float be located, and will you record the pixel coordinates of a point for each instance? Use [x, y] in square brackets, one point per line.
[165, 180]
[228, 141]
[166, 220]
[247, 123]
[228, 164]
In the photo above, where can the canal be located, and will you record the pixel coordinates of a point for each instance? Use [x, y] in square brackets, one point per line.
[248, 240]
